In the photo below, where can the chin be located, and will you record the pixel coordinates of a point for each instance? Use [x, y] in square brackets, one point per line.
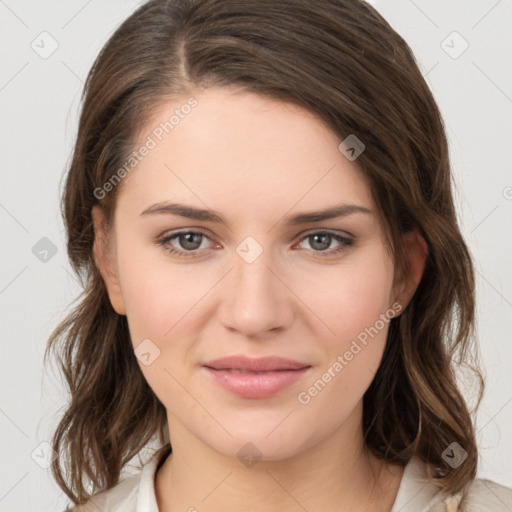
[263, 439]
[252, 449]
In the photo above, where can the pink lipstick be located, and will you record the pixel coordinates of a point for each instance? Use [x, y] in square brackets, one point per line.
[256, 378]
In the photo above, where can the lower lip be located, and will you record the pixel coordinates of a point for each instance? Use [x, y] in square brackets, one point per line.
[256, 385]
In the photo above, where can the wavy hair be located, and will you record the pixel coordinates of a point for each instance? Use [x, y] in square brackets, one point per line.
[344, 63]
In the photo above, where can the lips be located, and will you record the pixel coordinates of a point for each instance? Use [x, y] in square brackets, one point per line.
[255, 378]
[263, 364]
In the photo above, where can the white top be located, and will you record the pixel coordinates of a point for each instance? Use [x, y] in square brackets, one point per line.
[136, 493]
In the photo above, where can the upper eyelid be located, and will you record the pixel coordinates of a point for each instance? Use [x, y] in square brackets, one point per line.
[343, 234]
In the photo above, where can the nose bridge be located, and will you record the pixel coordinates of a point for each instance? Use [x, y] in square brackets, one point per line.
[257, 299]
[251, 270]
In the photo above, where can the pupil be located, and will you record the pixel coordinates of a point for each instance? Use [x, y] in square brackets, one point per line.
[325, 244]
[188, 239]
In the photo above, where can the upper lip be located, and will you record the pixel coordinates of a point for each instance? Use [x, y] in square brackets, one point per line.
[261, 364]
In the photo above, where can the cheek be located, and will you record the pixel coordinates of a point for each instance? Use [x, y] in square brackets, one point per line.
[354, 298]
[339, 308]
[159, 295]
[163, 312]
[357, 308]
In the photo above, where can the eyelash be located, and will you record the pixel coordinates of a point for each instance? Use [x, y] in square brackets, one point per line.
[162, 241]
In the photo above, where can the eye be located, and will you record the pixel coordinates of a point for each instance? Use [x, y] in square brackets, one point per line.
[187, 244]
[189, 241]
[320, 241]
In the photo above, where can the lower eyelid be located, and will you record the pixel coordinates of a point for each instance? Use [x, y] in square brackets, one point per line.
[342, 240]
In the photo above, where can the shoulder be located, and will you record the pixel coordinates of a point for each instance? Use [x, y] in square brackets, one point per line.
[134, 493]
[487, 496]
[479, 496]
[121, 497]
[417, 493]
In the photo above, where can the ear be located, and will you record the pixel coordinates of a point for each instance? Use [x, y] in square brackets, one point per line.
[416, 252]
[104, 258]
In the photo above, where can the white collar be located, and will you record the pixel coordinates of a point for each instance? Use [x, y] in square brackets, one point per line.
[146, 495]
[415, 492]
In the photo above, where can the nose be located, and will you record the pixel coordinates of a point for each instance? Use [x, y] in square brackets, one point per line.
[256, 297]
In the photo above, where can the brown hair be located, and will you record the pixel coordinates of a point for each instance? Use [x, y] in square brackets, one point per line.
[342, 61]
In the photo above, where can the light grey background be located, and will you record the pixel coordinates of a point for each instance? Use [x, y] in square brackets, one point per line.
[39, 100]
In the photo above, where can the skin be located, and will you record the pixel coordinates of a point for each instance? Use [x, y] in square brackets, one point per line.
[256, 161]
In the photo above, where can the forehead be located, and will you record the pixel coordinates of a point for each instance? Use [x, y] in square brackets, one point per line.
[245, 152]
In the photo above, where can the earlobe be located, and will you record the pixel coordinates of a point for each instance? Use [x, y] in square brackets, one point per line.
[416, 252]
[104, 261]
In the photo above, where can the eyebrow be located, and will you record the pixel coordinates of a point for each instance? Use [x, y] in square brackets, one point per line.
[192, 212]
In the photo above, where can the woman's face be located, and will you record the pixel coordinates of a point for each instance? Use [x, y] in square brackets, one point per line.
[261, 283]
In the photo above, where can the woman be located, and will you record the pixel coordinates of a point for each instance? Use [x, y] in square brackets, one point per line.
[275, 284]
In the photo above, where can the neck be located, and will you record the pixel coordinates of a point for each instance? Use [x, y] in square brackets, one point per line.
[337, 474]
